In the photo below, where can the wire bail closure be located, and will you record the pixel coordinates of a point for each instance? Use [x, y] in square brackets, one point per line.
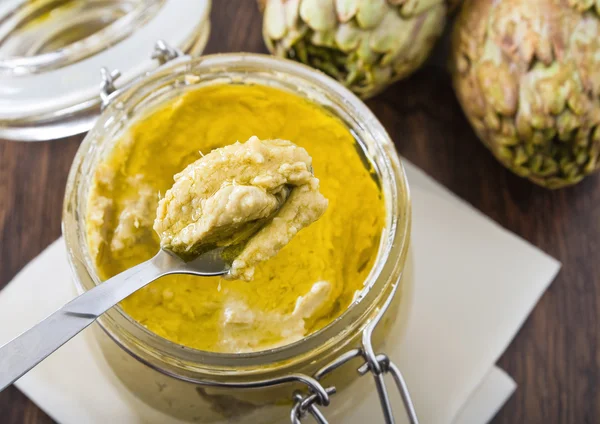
[377, 364]
[162, 52]
[308, 403]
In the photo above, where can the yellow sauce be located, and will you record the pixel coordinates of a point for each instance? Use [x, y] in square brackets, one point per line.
[339, 248]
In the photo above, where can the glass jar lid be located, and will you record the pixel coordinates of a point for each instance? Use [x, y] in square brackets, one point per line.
[51, 53]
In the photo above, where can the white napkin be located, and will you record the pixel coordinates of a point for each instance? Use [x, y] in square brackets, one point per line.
[475, 285]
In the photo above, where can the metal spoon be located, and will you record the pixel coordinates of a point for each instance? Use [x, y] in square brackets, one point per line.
[30, 348]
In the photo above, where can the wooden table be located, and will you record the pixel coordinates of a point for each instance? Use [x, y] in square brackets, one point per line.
[554, 359]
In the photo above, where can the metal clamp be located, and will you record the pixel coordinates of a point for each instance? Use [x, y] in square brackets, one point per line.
[162, 52]
[378, 365]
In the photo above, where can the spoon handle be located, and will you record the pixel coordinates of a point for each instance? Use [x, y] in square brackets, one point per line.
[34, 345]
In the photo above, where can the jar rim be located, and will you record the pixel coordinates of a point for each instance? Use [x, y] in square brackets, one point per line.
[389, 262]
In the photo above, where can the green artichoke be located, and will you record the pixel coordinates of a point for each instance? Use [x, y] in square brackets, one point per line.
[364, 44]
[527, 74]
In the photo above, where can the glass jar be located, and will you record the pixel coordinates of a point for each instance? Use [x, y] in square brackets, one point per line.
[214, 387]
[51, 52]
[37, 36]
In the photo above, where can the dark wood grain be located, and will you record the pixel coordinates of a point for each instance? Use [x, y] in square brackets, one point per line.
[554, 359]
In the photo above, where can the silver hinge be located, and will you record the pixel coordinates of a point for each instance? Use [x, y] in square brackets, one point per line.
[162, 52]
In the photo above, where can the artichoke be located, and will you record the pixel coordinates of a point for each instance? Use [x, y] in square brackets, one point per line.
[364, 44]
[527, 74]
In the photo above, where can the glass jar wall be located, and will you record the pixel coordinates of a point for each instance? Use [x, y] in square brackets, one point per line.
[184, 382]
[51, 52]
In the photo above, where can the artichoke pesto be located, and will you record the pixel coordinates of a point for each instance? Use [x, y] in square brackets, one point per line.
[258, 194]
[308, 283]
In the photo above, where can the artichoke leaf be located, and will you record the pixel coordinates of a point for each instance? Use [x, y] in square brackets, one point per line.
[371, 12]
[323, 39]
[346, 9]
[391, 35]
[427, 28]
[292, 13]
[274, 22]
[411, 8]
[319, 15]
[348, 36]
